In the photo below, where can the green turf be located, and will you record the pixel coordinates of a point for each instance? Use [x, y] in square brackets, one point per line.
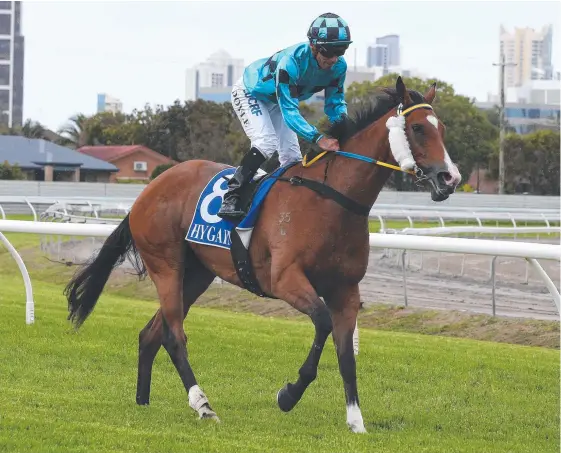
[65, 391]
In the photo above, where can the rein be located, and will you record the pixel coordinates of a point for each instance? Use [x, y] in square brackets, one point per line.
[370, 160]
[328, 192]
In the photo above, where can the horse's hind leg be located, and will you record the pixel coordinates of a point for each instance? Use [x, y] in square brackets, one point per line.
[294, 288]
[178, 290]
[149, 342]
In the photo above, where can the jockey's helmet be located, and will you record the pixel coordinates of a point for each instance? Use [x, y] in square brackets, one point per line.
[329, 30]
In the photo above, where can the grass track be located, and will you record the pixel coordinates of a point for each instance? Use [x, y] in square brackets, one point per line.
[66, 391]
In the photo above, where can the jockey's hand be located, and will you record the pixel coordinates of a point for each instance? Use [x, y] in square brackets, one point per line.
[328, 144]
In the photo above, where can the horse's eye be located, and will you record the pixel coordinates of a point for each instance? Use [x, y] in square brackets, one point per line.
[418, 128]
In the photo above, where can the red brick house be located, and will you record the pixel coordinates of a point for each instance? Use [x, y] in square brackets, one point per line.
[135, 162]
[486, 183]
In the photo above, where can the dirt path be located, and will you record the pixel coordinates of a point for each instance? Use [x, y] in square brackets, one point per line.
[431, 286]
[426, 288]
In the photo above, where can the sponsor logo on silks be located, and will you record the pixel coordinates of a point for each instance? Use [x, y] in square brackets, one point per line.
[253, 104]
[238, 107]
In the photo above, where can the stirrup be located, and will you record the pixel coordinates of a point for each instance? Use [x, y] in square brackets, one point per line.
[230, 209]
[230, 214]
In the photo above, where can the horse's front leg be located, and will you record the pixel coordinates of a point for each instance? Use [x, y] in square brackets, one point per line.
[295, 288]
[344, 305]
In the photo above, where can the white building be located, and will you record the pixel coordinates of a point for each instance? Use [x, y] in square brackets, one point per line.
[545, 92]
[531, 53]
[107, 103]
[534, 105]
[386, 52]
[212, 80]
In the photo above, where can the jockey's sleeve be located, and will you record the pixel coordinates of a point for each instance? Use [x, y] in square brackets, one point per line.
[335, 106]
[287, 96]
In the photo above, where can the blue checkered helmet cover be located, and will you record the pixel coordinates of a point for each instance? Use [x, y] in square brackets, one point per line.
[329, 28]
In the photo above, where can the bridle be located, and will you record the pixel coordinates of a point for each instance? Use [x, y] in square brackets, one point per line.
[417, 172]
[326, 191]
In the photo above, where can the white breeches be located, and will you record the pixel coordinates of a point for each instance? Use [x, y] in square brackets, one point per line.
[264, 125]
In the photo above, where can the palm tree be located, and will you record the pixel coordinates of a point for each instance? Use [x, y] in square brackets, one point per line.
[32, 129]
[74, 133]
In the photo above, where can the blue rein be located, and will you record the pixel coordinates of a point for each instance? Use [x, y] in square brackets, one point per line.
[356, 156]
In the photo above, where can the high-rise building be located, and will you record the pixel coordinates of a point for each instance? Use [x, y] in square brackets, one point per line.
[386, 52]
[213, 79]
[377, 55]
[530, 51]
[107, 103]
[11, 64]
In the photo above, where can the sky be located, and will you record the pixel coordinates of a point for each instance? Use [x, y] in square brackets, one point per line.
[138, 51]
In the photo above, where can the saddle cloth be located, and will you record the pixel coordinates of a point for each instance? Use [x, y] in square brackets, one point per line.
[209, 229]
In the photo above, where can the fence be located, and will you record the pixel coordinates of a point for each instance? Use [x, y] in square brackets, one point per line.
[529, 251]
[459, 199]
[383, 212]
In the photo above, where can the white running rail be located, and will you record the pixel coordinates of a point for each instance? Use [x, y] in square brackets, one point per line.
[529, 251]
[381, 211]
[487, 230]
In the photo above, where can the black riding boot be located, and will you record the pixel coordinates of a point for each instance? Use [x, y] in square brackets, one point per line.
[248, 167]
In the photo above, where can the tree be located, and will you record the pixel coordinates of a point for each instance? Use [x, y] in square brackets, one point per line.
[11, 172]
[74, 133]
[32, 129]
[160, 169]
[531, 163]
[181, 131]
[29, 129]
[108, 128]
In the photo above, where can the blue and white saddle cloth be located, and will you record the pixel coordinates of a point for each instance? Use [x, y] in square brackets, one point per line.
[209, 229]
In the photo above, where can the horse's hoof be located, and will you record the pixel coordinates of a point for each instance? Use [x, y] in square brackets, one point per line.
[142, 401]
[206, 412]
[285, 400]
[357, 427]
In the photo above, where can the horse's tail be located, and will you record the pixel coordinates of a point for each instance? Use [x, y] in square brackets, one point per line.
[85, 287]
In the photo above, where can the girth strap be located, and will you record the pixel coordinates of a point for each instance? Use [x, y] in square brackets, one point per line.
[329, 192]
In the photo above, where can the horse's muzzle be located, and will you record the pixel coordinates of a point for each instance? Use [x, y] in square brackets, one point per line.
[441, 181]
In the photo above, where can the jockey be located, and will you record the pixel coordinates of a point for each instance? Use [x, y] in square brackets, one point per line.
[266, 100]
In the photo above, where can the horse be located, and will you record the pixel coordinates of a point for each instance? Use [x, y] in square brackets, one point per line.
[309, 242]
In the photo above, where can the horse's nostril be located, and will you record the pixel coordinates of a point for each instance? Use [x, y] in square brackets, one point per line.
[445, 177]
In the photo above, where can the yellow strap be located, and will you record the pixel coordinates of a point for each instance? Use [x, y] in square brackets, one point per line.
[415, 107]
[394, 167]
[305, 162]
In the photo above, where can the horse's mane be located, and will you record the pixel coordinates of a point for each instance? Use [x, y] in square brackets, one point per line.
[381, 104]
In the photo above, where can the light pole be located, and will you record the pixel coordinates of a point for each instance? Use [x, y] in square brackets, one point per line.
[502, 65]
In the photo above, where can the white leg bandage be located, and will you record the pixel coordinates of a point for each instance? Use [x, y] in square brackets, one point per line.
[354, 419]
[197, 398]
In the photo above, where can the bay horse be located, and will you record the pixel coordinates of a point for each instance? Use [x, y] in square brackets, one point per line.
[305, 246]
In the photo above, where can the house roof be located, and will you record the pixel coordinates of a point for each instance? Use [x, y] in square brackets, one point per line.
[36, 153]
[113, 153]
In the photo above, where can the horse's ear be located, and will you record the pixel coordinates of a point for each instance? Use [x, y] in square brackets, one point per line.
[402, 92]
[430, 94]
